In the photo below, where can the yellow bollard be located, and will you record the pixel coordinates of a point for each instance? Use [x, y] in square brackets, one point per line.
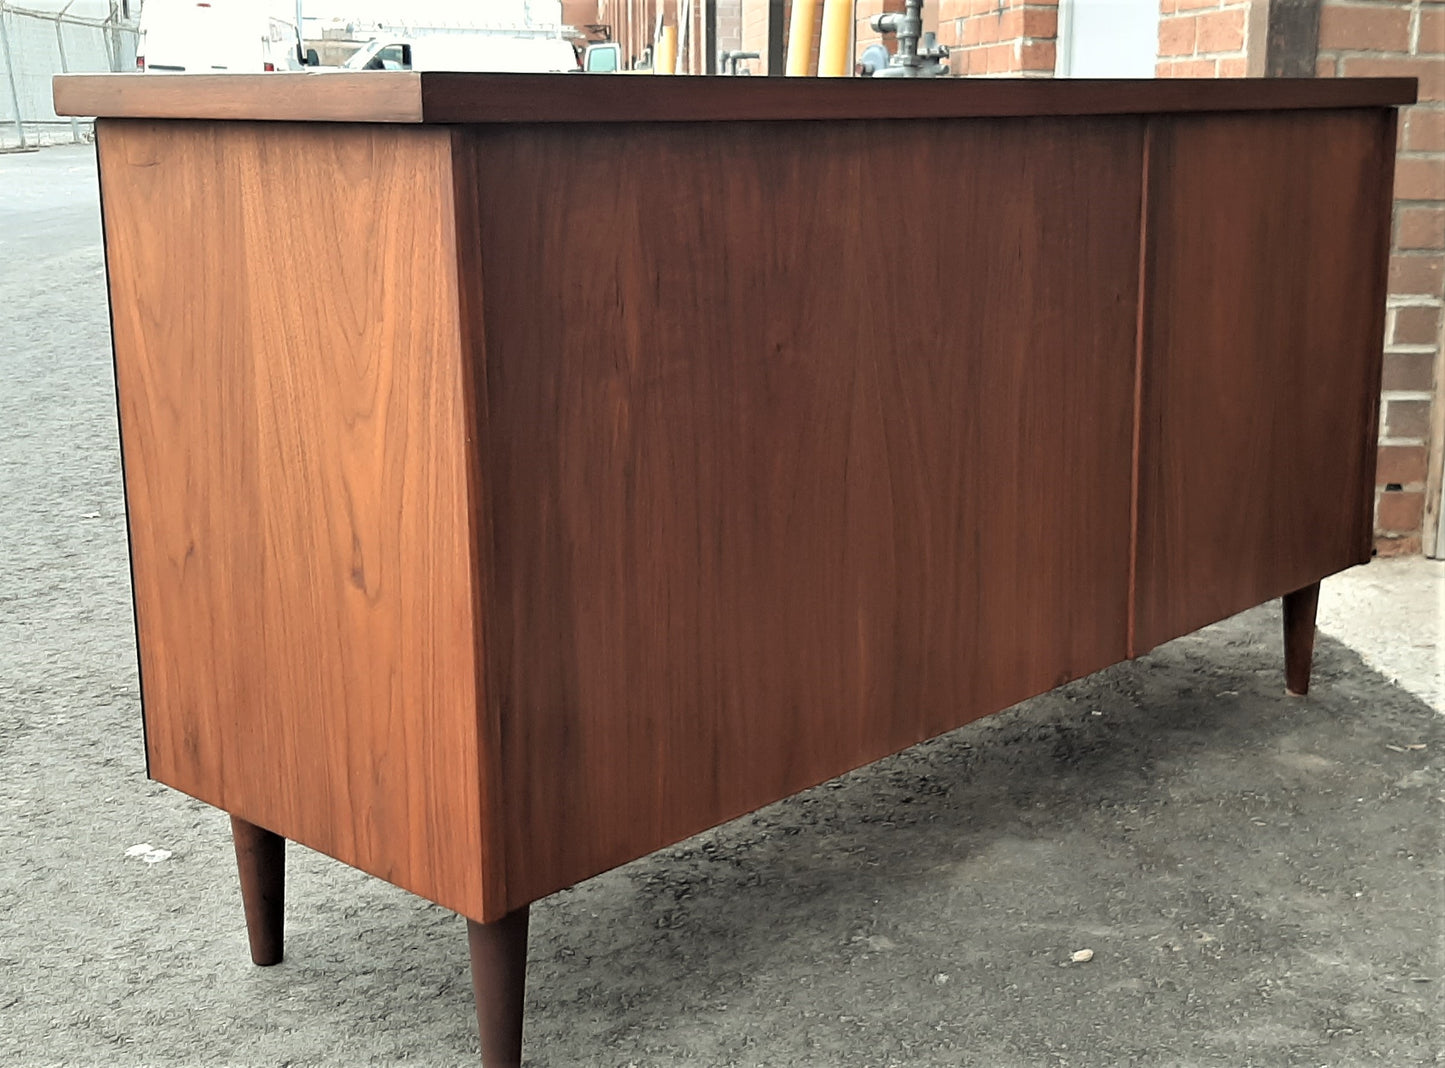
[800, 37]
[834, 54]
[664, 59]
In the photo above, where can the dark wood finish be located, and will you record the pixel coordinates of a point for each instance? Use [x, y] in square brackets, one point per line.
[1261, 371]
[292, 399]
[1292, 38]
[1299, 637]
[337, 96]
[625, 98]
[261, 860]
[499, 978]
[1137, 400]
[764, 508]
[387, 96]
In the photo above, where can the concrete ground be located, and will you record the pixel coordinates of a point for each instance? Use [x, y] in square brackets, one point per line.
[1259, 878]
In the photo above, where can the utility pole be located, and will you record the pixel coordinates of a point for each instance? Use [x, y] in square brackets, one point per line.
[776, 64]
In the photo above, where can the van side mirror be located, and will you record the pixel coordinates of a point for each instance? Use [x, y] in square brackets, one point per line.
[312, 59]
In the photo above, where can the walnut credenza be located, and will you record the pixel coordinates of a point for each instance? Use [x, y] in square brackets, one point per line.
[527, 472]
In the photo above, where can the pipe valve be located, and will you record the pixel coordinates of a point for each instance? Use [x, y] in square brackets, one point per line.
[919, 54]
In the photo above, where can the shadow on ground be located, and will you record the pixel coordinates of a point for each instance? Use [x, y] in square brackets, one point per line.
[1258, 878]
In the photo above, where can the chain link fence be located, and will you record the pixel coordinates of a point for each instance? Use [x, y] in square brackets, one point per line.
[42, 38]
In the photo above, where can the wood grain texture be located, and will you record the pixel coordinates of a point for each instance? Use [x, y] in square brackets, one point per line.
[794, 454]
[336, 96]
[1265, 297]
[438, 97]
[294, 424]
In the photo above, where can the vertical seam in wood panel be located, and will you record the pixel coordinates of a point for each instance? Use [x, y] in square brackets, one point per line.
[1374, 359]
[468, 279]
[1141, 291]
[103, 133]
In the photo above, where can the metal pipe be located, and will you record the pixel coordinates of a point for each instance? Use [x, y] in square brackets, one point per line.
[729, 61]
[800, 38]
[664, 59]
[684, 24]
[834, 51]
[10, 76]
[910, 29]
[911, 61]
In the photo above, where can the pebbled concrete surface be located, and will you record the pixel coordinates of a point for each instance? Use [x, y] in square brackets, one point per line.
[1259, 878]
[1390, 611]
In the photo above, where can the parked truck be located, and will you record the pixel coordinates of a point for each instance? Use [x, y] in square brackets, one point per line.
[219, 36]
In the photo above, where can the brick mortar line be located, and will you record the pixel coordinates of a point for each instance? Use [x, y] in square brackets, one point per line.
[1386, 54]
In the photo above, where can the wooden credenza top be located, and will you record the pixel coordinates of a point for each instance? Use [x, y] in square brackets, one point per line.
[437, 97]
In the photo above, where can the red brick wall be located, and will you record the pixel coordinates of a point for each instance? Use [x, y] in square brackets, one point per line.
[730, 25]
[1013, 37]
[1362, 39]
[1404, 38]
[1211, 38]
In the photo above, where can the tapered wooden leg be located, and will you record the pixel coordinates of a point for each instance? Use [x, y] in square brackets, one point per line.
[261, 857]
[1299, 638]
[499, 975]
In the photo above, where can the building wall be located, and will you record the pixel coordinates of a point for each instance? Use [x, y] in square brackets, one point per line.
[1009, 37]
[1389, 38]
[1212, 38]
[1408, 39]
[730, 25]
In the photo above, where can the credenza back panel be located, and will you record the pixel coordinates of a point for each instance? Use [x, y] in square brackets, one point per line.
[510, 499]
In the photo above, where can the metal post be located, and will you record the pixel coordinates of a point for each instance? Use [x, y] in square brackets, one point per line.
[65, 67]
[709, 37]
[776, 67]
[112, 35]
[10, 76]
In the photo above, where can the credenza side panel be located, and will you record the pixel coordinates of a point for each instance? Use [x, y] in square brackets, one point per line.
[1267, 241]
[803, 442]
[293, 423]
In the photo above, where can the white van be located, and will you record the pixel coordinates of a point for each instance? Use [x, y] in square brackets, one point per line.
[467, 52]
[218, 36]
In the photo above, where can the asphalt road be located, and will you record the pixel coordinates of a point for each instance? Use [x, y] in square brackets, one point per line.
[1259, 878]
